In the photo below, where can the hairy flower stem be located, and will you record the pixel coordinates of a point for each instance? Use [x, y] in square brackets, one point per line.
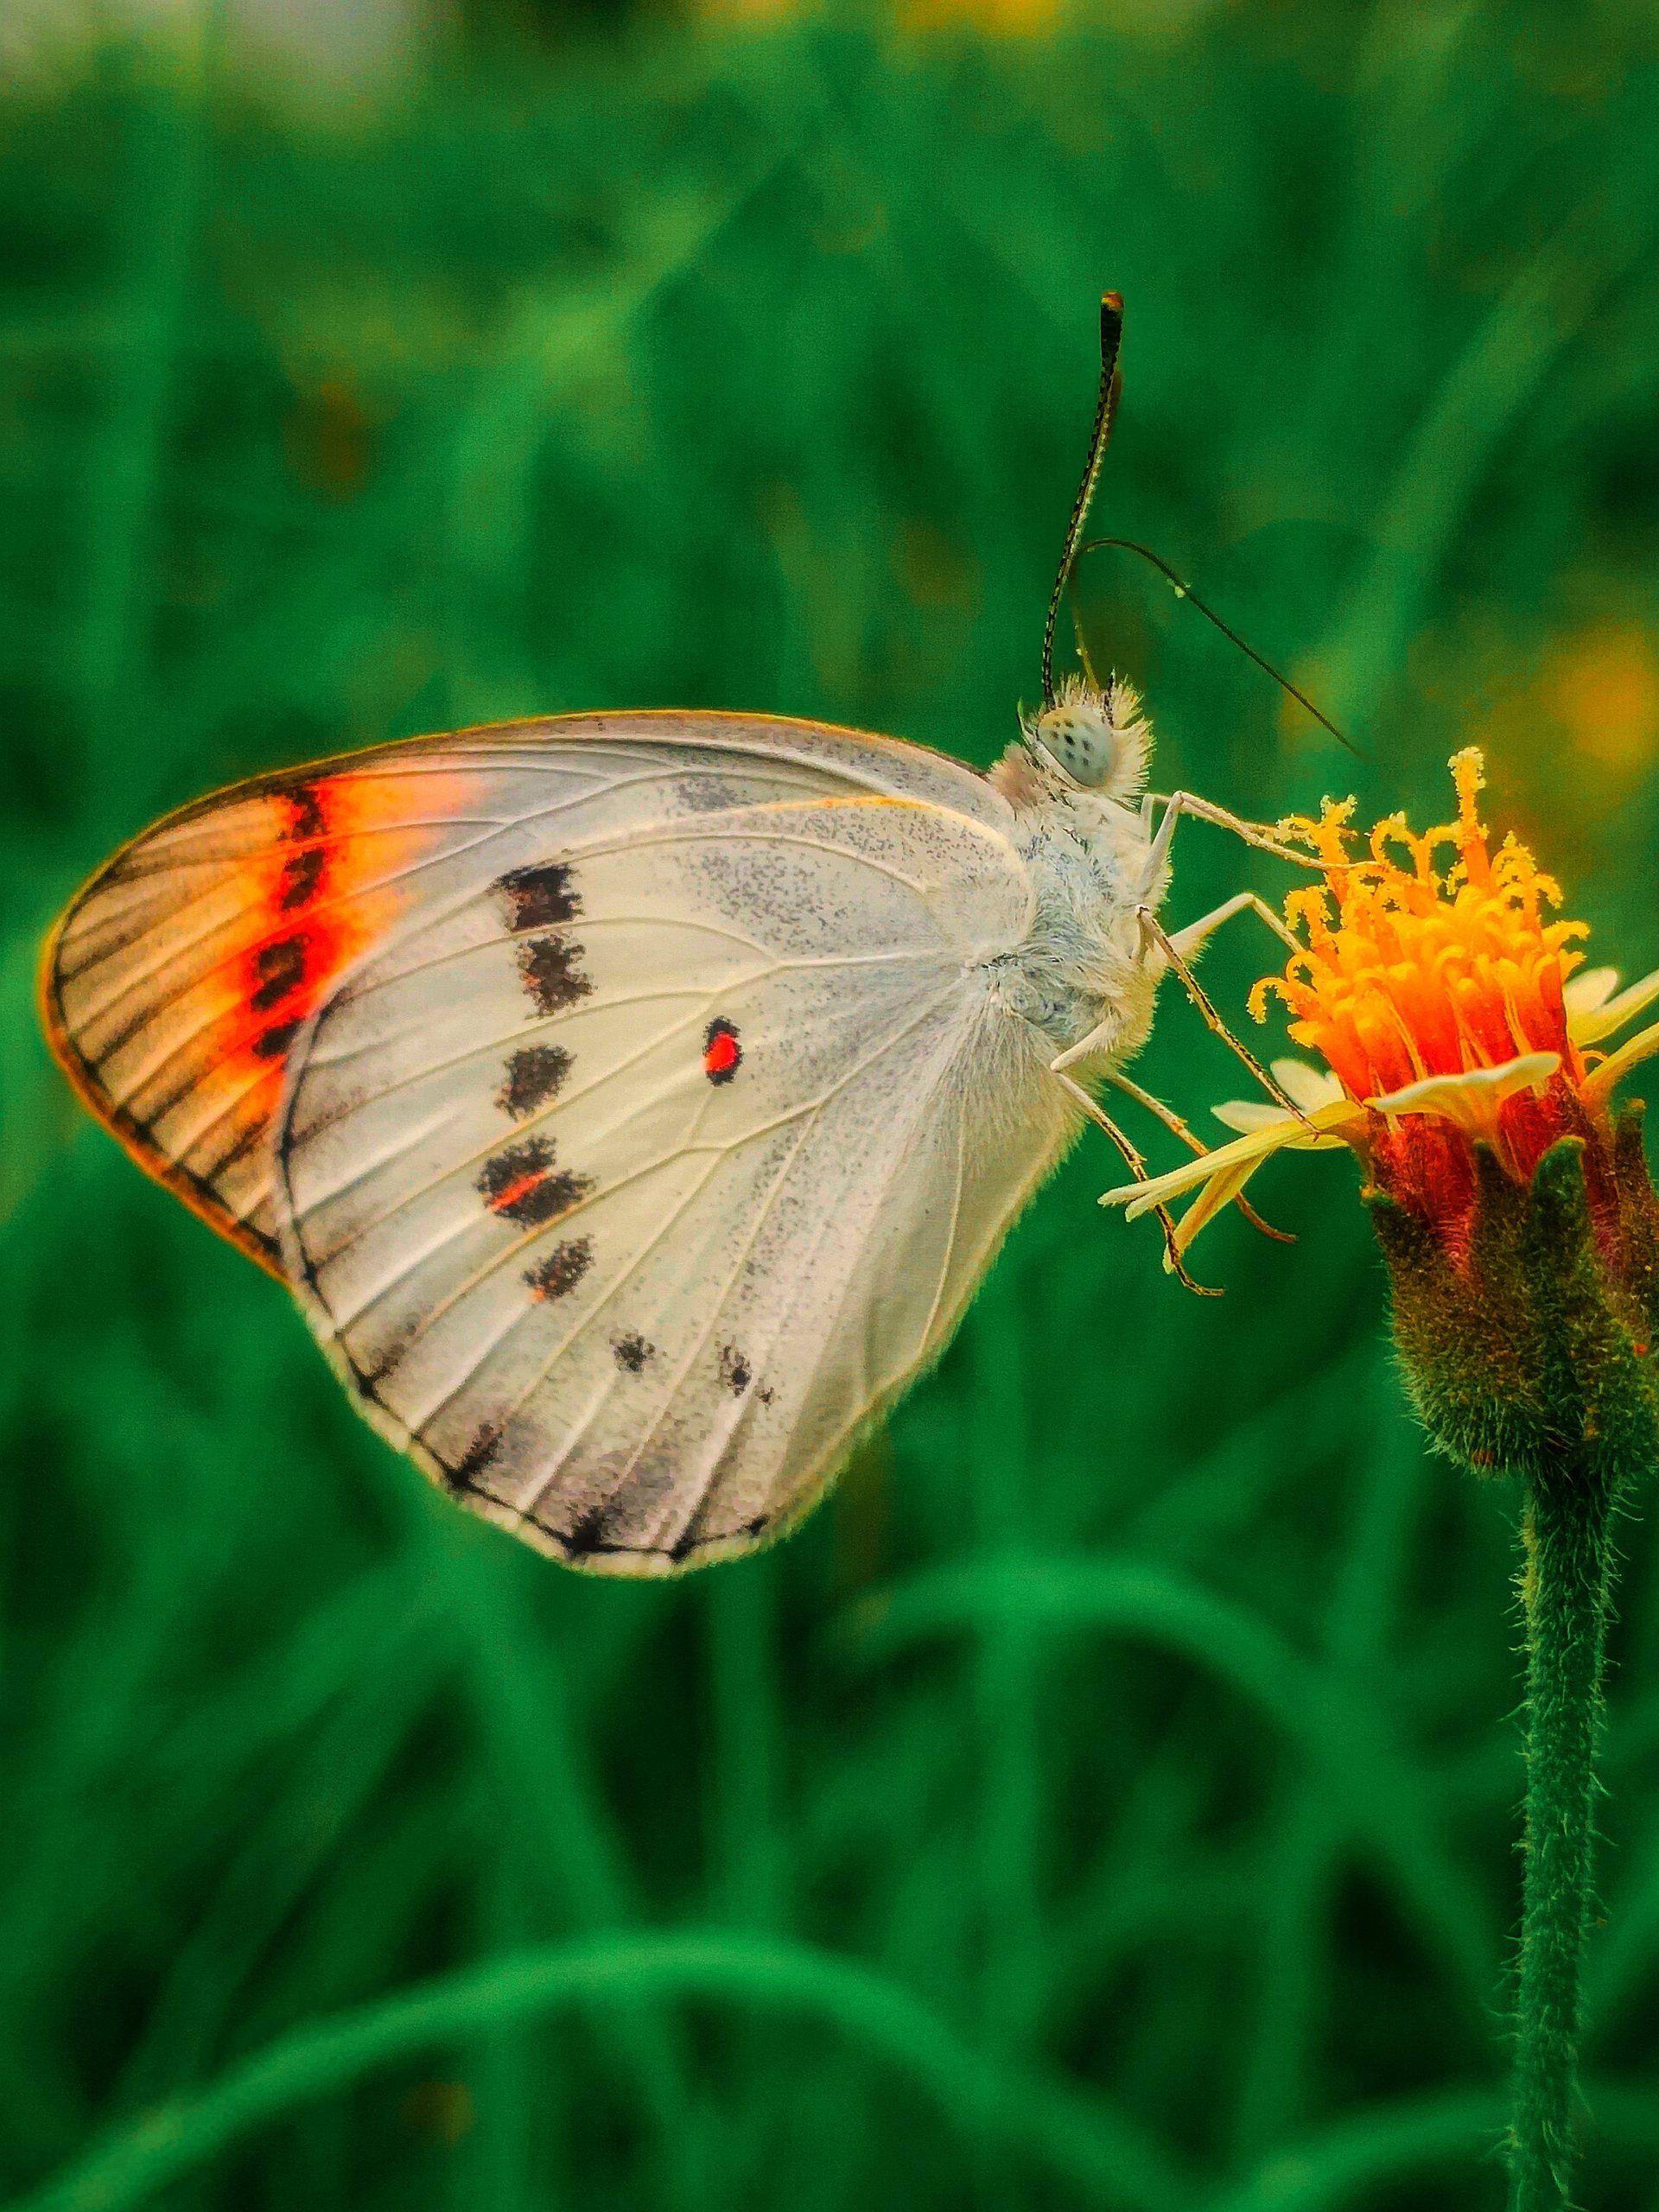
[1566, 1534]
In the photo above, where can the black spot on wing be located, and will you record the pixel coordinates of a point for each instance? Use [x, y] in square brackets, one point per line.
[555, 1196]
[517, 1163]
[535, 1074]
[301, 877]
[541, 895]
[632, 1351]
[281, 969]
[734, 1371]
[302, 872]
[562, 1269]
[604, 1528]
[586, 1536]
[525, 1185]
[617, 1508]
[551, 975]
[387, 1360]
[305, 816]
[479, 1454]
[270, 1044]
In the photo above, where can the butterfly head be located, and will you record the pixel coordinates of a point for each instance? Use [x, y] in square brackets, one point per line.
[1097, 739]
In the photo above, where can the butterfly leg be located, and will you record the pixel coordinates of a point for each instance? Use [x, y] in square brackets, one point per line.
[1137, 1167]
[1177, 1127]
[1184, 942]
[1158, 937]
[1187, 941]
[1203, 809]
[1102, 1035]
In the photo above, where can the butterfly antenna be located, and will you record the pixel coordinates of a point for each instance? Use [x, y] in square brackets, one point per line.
[1111, 384]
[1182, 589]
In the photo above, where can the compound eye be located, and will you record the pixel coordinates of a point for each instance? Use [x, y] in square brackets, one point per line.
[1082, 739]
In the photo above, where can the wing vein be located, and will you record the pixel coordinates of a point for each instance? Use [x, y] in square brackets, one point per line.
[511, 1255]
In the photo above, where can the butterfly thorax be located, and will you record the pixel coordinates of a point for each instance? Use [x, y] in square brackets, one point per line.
[1085, 963]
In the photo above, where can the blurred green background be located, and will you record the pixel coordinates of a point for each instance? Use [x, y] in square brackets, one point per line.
[1108, 1799]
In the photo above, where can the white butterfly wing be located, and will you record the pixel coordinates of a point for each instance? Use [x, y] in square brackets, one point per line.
[625, 1183]
[175, 983]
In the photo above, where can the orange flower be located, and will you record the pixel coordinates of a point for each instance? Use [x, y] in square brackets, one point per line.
[1450, 1011]
[1463, 1043]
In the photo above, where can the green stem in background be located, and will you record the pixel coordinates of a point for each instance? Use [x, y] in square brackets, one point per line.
[1568, 1535]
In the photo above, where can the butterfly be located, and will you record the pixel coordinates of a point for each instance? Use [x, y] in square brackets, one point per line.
[632, 1102]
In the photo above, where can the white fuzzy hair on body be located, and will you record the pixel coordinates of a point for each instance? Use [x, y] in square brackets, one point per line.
[1087, 965]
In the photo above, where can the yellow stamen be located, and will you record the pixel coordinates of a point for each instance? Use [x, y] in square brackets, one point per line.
[1411, 973]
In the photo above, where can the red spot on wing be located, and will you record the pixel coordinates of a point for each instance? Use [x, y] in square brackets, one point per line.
[522, 1186]
[722, 1055]
[514, 1193]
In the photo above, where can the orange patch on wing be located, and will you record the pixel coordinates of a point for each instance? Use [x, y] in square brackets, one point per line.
[315, 901]
[193, 1087]
[176, 981]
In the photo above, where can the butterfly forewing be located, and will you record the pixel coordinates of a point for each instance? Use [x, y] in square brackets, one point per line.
[177, 980]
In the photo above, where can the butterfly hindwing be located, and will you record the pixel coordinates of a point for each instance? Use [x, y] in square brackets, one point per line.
[624, 1189]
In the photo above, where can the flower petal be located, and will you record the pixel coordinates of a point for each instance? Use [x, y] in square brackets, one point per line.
[1310, 1088]
[1249, 1114]
[1589, 989]
[1284, 1135]
[1594, 1023]
[1643, 1046]
[1214, 1199]
[1471, 1099]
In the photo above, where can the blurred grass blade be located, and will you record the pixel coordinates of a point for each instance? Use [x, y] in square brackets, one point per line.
[1379, 1795]
[1055, 2127]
